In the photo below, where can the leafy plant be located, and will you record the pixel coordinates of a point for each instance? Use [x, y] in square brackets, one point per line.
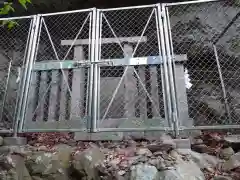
[8, 8]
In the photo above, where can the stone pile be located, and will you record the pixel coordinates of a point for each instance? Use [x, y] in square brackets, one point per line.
[212, 156]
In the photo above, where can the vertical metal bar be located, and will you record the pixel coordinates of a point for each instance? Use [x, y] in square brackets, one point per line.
[222, 83]
[95, 74]
[166, 80]
[23, 79]
[161, 67]
[34, 41]
[171, 78]
[21, 87]
[92, 73]
[21, 83]
[171, 50]
[99, 56]
[88, 77]
[6, 89]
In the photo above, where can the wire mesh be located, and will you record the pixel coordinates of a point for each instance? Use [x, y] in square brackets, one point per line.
[194, 27]
[58, 90]
[130, 95]
[13, 48]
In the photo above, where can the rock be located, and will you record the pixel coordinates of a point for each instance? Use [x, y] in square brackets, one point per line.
[144, 172]
[212, 160]
[163, 146]
[36, 178]
[226, 153]
[142, 159]
[21, 170]
[196, 141]
[232, 163]
[169, 174]
[159, 163]
[222, 178]
[233, 141]
[184, 151]
[85, 162]
[143, 151]
[64, 154]
[47, 165]
[121, 173]
[175, 154]
[42, 148]
[166, 143]
[20, 150]
[13, 167]
[129, 151]
[183, 171]
[1, 140]
[195, 39]
[201, 148]
[201, 161]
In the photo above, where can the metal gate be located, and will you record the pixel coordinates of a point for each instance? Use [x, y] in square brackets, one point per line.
[57, 92]
[14, 45]
[125, 69]
[130, 87]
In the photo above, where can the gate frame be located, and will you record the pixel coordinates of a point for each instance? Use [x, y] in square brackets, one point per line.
[21, 84]
[32, 52]
[169, 70]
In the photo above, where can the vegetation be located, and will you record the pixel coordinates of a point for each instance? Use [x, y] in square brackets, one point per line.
[8, 7]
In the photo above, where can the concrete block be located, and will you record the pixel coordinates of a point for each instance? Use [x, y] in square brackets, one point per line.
[98, 136]
[183, 143]
[14, 141]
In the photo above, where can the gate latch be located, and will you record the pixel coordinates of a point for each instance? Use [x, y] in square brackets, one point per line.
[89, 63]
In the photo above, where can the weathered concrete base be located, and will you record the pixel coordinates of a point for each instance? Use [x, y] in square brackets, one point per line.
[14, 141]
[183, 143]
[118, 136]
[99, 136]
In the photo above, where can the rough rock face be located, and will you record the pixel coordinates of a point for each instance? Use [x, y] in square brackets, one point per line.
[125, 160]
[194, 27]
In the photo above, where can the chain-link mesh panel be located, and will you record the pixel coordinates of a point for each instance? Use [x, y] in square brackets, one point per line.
[194, 27]
[131, 92]
[228, 53]
[58, 94]
[13, 48]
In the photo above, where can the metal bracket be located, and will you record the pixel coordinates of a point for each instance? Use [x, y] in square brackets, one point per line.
[89, 63]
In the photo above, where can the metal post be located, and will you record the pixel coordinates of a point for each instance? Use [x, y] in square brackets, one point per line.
[222, 83]
[171, 49]
[88, 109]
[29, 66]
[163, 54]
[171, 74]
[96, 75]
[161, 68]
[99, 56]
[22, 86]
[91, 125]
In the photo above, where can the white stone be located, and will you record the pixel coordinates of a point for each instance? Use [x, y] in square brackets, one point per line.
[144, 172]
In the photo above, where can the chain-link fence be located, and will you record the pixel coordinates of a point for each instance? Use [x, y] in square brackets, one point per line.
[198, 30]
[13, 51]
[130, 87]
[124, 69]
[58, 88]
